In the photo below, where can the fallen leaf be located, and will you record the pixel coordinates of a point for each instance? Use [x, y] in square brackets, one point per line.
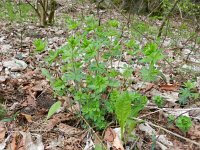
[28, 142]
[69, 130]
[89, 143]
[40, 86]
[117, 144]
[109, 135]
[2, 132]
[57, 118]
[57, 142]
[31, 101]
[13, 145]
[27, 117]
[113, 139]
[169, 87]
[194, 132]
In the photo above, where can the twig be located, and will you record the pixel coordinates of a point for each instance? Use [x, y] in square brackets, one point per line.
[173, 109]
[168, 131]
[150, 113]
[167, 17]
[36, 10]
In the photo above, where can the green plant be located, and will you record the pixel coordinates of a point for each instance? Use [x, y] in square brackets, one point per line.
[184, 123]
[151, 55]
[99, 147]
[171, 119]
[187, 92]
[40, 45]
[158, 100]
[13, 117]
[123, 110]
[3, 111]
[54, 108]
[87, 72]
[126, 105]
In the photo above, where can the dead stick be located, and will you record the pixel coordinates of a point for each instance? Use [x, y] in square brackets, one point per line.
[168, 131]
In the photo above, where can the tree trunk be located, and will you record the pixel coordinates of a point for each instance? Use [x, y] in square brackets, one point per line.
[52, 11]
[43, 12]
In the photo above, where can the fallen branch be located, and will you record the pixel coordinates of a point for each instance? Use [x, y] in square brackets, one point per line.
[168, 131]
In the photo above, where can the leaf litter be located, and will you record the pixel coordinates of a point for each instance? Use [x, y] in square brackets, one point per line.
[28, 94]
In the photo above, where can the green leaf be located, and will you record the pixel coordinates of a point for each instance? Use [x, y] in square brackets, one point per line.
[98, 147]
[113, 23]
[184, 123]
[54, 108]
[149, 74]
[158, 100]
[3, 111]
[58, 84]
[40, 45]
[184, 96]
[46, 73]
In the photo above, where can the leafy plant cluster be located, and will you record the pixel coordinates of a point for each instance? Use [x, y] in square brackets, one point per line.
[184, 123]
[87, 71]
[151, 55]
[188, 92]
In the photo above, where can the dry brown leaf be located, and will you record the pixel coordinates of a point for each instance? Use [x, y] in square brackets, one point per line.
[13, 145]
[40, 85]
[109, 135]
[31, 101]
[28, 142]
[74, 108]
[117, 144]
[57, 118]
[169, 87]
[112, 138]
[27, 117]
[194, 132]
[148, 87]
[2, 132]
[69, 130]
[179, 145]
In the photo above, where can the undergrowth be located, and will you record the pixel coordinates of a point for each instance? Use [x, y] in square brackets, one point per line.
[91, 69]
[89, 72]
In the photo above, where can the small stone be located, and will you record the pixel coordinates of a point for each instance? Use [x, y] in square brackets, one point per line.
[7, 71]
[15, 65]
[5, 48]
[2, 79]
[1, 66]
[59, 32]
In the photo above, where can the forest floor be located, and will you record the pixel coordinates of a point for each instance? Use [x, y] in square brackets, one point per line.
[27, 95]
